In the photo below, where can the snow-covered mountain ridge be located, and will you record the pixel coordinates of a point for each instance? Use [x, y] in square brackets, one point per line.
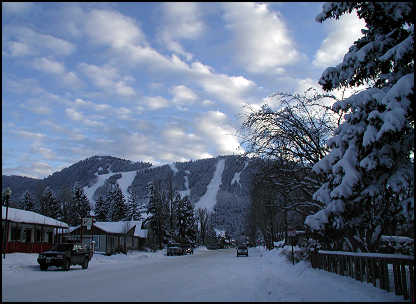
[219, 184]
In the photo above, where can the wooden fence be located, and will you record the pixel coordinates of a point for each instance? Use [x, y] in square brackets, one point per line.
[386, 271]
[27, 247]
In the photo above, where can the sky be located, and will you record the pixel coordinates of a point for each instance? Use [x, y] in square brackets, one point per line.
[154, 82]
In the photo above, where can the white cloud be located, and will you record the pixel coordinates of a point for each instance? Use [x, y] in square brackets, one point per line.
[29, 135]
[183, 95]
[77, 116]
[213, 125]
[71, 79]
[181, 21]
[73, 114]
[261, 39]
[107, 77]
[228, 89]
[54, 67]
[92, 105]
[36, 169]
[17, 48]
[48, 66]
[156, 102]
[21, 41]
[36, 106]
[113, 28]
[45, 152]
[342, 33]
[207, 102]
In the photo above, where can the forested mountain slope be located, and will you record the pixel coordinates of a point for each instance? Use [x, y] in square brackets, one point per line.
[230, 192]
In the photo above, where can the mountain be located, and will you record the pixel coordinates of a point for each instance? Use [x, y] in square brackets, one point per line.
[221, 183]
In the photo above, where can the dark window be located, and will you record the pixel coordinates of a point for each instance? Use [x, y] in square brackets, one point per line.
[38, 235]
[15, 233]
[50, 236]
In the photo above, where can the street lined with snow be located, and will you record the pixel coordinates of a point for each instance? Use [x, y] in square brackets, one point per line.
[216, 275]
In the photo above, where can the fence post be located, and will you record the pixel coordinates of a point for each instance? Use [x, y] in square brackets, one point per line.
[404, 283]
[386, 276]
[382, 275]
[368, 269]
[396, 274]
[412, 282]
[361, 269]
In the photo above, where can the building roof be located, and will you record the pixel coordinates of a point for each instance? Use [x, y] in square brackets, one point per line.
[30, 217]
[119, 227]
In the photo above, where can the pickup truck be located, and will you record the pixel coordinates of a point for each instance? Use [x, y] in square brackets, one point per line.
[64, 255]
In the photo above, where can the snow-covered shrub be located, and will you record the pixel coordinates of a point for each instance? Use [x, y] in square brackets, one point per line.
[300, 253]
[397, 244]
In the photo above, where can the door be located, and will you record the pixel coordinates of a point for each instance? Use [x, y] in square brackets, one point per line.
[28, 235]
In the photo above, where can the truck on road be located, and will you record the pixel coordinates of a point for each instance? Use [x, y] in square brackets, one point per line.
[64, 255]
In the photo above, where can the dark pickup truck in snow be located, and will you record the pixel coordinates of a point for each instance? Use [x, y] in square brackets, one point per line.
[64, 255]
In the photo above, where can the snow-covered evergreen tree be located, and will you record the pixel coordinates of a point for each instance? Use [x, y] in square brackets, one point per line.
[119, 204]
[27, 202]
[109, 200]
[100, 210]
[369, 169]
[186, 220]
[49, 205]
[80, 204]
[211, 235]
[154, 215]
[133, 206]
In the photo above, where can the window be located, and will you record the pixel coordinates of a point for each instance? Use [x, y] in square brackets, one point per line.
[38, 235]
[15, 233]
[50, 237]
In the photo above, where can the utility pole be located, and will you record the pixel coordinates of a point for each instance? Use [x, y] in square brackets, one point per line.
[8, 193]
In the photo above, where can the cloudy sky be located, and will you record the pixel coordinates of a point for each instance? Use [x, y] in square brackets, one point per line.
[156, 82]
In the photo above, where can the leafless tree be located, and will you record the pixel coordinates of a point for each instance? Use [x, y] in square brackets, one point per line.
[296, 131]
[290, 139]
[203, 221]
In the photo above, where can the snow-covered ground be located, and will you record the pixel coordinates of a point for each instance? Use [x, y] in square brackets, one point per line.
[187, 191]
[216, 275]
[209, 199]
[236, 177]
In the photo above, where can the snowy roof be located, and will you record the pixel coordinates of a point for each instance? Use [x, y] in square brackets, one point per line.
[30, 217]
[119, 227]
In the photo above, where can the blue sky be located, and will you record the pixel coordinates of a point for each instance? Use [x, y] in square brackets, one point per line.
[156, 82]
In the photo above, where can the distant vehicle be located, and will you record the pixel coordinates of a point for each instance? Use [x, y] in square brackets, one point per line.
[64, 255]
[242, 250]
[174, 249]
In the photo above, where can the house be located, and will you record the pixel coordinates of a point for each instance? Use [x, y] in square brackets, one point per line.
[110, 237]
[29, 231]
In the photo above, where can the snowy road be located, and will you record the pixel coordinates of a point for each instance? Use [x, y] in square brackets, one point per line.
[205, 276]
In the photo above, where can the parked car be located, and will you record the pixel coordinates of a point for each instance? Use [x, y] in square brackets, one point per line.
[174, 249]
[242, 250]
[64, 255]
